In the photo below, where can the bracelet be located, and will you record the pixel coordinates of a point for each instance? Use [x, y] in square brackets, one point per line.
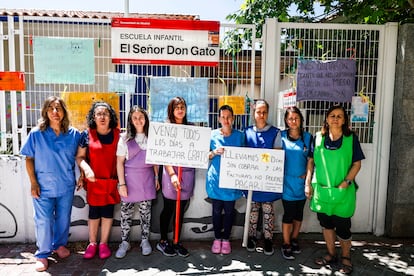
[349, 182]
[156, 177]
[171, 175]
[213, 153]
[119, 185]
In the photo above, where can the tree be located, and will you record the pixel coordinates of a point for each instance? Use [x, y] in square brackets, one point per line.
[345, 11]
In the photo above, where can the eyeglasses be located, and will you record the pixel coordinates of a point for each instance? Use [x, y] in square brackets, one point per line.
[293, 119]
[261, 113]
[102, 114]
[53, 108]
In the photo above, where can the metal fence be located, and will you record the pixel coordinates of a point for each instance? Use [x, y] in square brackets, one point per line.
[20, 110]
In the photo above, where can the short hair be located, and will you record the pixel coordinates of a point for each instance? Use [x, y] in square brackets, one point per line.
[345, 127]
[225, 107]
[90, 118]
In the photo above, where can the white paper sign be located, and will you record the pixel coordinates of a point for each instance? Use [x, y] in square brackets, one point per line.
[252, 169]
[178, 145]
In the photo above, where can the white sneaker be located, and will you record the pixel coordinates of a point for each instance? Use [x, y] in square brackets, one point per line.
[146, 247]
[122, 250]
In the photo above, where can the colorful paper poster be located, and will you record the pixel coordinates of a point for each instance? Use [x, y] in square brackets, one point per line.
[236, 102]
[121, 82]
[64, 60]
[193, 90]
[79, 103]
[12, 81]
[332, 81]
[359, 110]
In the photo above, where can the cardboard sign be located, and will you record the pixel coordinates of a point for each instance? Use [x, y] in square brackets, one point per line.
[236, 102]
[12, 81]
[163, 41]
[252, 169]
[178, 145]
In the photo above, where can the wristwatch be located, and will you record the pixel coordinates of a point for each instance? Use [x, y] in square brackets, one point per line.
[349, 182]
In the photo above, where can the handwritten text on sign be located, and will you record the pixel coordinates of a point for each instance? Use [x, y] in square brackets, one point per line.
[252, 169]
[332, 81]
[178, 145]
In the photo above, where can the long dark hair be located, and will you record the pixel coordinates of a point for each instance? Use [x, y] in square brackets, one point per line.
[90, 118]
[294, 109]
[345, 127]
[172, 105]
[131, 130]
[44, 121]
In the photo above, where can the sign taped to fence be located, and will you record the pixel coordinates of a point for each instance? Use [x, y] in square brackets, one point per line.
[178, 145]
[121, 82]
[12, 81]
[64, 60]
[163, 41]
[252, 169]
[332, 81]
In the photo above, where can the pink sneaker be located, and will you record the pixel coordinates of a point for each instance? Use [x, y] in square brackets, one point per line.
[90, 251]
[62, 252]
[216, 248]
[225, 247]
[104, 251]
[41, 264]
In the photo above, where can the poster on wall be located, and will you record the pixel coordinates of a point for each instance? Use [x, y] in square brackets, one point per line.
[12, 81]
[79, 103]
[64, 60]
[252, 169]
[178, 145]
[165, 41]
[332, 81]
[193, 90]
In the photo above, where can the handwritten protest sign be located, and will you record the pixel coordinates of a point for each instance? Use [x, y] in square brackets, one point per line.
[252, 169]
[332, 81]
[178, 145]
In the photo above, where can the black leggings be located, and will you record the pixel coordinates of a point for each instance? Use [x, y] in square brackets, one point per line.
[167, 214]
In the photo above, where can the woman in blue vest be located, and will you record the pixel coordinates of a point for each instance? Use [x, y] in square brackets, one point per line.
[262, 135]
[223, 199]
[336, 160]
[296, 142]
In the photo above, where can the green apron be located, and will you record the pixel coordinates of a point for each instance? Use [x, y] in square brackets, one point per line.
[331, 168]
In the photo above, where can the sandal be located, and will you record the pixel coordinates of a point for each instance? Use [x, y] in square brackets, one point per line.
[346, 269]
[326, 260]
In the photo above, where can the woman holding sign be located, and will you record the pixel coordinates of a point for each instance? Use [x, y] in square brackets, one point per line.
[262, 135]
[223, 199]
[336, 160]
[296, 143]
[177, 114]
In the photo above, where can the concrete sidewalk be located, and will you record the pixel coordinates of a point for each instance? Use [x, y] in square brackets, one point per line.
[370, 256]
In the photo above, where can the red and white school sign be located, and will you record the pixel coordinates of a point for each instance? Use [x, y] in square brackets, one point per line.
[162, 41]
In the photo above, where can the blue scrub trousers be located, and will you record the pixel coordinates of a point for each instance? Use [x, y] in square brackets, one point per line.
[52, 221]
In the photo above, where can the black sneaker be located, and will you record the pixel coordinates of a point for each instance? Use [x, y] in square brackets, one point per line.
[268, 247]
[295, 247]
[251, 244]
[166, 249]
[287, 252]
[180, 250]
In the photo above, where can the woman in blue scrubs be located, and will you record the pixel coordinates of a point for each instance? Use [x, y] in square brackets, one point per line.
[50, 151]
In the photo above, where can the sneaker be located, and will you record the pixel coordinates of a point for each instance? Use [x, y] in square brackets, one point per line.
[104, 251]
[225, 247]
[180, 250]
[41, 264]
[165, 248]
[295, 247]
[146, 248]
[287, 252]
[90, 251]
[62, 252]
[216, 247]
[268, 247]
[122, 250]
[251, 244]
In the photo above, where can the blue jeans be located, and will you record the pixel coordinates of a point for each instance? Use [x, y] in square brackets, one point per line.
[222, 224]
[52, 221]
